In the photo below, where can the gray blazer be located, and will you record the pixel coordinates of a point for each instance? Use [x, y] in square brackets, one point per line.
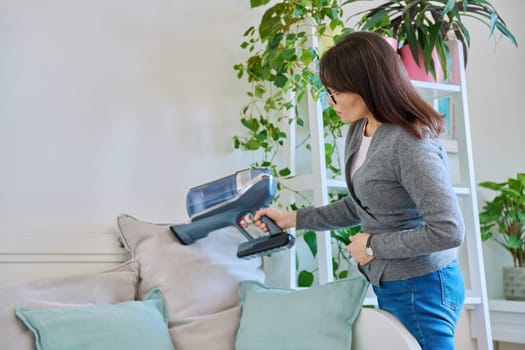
[403, 195]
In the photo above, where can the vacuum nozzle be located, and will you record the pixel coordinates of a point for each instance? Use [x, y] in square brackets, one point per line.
[265, 245]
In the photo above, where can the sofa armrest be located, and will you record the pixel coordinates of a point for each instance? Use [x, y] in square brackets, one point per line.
[377, 329]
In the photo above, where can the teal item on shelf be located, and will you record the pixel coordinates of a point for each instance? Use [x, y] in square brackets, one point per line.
[132, 325]
[320, 317]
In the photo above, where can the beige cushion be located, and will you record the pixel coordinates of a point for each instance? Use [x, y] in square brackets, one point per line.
[110, 287]
[200, 282]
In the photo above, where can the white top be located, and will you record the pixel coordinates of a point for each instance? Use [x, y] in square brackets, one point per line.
[359, 157]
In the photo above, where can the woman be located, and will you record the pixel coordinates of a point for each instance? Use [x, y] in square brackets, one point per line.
[399, 190]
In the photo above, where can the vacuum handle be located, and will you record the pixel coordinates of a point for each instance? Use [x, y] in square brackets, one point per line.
[272, 226]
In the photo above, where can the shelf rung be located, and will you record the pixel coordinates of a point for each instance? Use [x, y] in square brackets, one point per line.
[299, 183]
[304, 182]
[464, 191]
[472, 300]
[512, 306]
[336, 184]
[341, 184]
[435, 90]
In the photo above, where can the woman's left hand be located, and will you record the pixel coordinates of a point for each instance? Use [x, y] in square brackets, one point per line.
[357, 248]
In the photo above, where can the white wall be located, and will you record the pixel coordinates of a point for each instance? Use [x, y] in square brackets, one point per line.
[115, 106]
[495, 76]
[121, 106]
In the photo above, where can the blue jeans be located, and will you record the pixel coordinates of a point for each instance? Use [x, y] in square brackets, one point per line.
[428, 306]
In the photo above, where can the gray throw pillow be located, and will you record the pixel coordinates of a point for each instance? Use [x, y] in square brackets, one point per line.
[113, 286]
[200, 282]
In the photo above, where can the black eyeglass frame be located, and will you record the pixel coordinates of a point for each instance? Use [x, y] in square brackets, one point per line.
[332, 94]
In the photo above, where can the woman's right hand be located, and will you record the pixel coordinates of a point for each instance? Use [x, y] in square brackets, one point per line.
[282, 218]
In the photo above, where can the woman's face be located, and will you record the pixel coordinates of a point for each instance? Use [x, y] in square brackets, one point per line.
[348, 105]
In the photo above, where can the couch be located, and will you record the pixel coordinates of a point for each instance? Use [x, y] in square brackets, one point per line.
[142, 287]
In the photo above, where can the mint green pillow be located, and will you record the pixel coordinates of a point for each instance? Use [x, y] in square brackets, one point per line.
[320, 317]
[127, 326]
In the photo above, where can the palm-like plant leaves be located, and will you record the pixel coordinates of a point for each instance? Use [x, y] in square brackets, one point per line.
[503, 218]
[426, 24]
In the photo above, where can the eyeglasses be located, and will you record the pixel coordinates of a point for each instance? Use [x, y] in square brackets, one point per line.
[332, 94]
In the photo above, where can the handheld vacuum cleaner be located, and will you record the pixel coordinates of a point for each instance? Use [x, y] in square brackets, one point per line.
[233, 201]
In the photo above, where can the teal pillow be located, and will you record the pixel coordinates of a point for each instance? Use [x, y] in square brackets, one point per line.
[320, 317]
[127, 326]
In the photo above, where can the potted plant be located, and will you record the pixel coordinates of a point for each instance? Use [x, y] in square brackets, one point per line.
[284, 51]
[426, 25]
[503, 220]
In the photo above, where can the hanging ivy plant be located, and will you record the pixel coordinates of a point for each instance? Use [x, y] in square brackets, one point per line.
[284, 52]
[282, 71]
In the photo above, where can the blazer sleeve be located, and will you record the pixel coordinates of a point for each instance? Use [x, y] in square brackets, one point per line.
[340, 214]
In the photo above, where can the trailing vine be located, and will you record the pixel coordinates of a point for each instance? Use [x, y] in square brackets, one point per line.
[284, 52]
[282, 71]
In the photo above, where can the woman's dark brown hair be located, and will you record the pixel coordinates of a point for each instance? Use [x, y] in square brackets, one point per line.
[364, 63]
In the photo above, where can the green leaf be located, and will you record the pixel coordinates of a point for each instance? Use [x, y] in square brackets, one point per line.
[485, 233]
[329, 149]
[310, 238]
[379, 19]
[305, 279]
[257, 3]
[521, 178]
[298, 11]
[249, 31]
[261, 136]
[252, 124]
[259, 90]
[515, 184]
[287, 54]
[449, 6]
[411, 39]
[501, 27]
[280, 80]
[503, 217]
[445, 59]
[266, 164]
[514, 243]
[354, 230]
[335, 264]
[240, 70]
[271, 22]
[341, 236]
[521, 217]
[306, 57]
[273, 44]
[284, 172]
[334, 24]
[252, 145]
[492, 185]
